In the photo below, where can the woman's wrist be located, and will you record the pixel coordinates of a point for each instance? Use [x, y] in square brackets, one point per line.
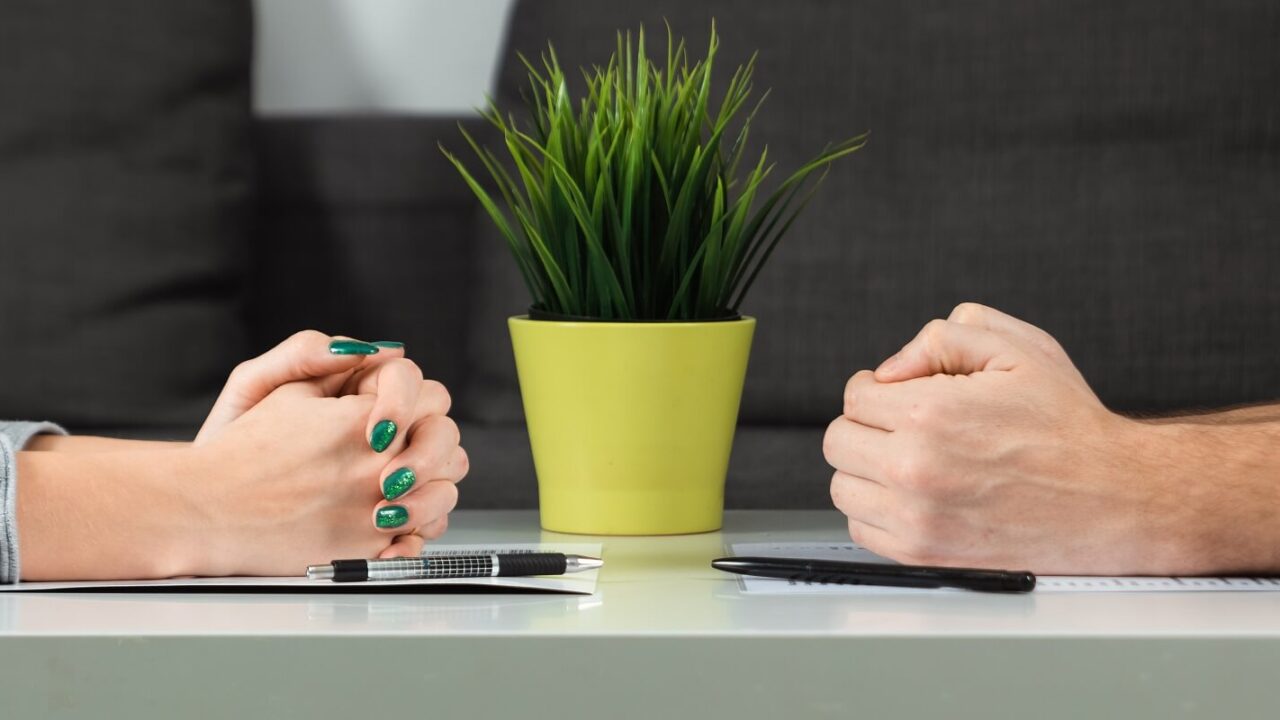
[109, 515]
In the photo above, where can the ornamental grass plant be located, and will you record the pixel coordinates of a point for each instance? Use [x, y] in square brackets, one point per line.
[634, 203]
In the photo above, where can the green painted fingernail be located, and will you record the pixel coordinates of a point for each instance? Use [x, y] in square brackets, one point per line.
[382, 435]
[398, 483]
[389, 344]
[392, 516]
[352, 347]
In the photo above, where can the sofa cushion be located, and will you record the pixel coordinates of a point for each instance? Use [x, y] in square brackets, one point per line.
[1109, 171]
[364, 229]
[125, 188]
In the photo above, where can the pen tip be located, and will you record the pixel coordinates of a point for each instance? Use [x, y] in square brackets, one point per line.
[578, 563]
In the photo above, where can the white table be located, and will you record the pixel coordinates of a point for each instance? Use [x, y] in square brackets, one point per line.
[665, 636]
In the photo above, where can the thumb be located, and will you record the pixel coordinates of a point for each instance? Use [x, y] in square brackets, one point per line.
[1019, 331]
[950, 348]
[305, 355]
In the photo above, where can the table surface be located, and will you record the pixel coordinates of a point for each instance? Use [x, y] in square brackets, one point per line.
[650, 586]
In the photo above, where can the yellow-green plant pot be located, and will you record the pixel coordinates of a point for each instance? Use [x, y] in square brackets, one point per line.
[631, 423]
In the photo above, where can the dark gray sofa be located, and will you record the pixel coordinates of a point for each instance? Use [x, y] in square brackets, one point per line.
[1108, 171]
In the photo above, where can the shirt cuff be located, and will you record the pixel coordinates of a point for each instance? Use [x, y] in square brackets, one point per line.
[13, 437]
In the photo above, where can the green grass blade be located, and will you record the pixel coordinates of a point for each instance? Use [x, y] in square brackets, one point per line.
[626, 200]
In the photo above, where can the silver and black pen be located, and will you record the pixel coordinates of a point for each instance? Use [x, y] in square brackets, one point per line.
[453, 566]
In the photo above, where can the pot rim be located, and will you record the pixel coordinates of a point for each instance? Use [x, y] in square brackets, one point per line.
[538, 314]
[635, 324]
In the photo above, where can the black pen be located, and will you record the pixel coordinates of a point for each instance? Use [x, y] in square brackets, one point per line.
[858, 573]
[453, 566]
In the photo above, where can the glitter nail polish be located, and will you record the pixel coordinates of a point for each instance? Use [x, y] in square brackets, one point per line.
[383, 433]
[391, 516]
[398, 483]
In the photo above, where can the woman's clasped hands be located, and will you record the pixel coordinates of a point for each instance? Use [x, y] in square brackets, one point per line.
[324, 447]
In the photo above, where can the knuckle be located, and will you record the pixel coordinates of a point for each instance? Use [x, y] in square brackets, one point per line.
[444, 497]
[831, 441]
[837, 490]
[902, 472]
[925, 413]
[305, 337]
[438, 528]
[1049, 343]
[857, 532]
[968, 312]
[439, 393]
[853, 387]
[242, 371]
[912, 472]
[406, 366]
[444, 434]
[933, 331]
[850, 394]
[463, 463]
[446, 425]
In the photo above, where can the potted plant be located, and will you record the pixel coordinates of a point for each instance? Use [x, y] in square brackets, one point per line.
[639, 231]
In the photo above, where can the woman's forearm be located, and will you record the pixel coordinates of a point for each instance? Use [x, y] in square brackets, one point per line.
[93, 444]
[105, 515]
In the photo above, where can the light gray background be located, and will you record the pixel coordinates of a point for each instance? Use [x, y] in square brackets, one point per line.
[362, 56]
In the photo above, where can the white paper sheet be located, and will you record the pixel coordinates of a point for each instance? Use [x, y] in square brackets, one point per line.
[850, 552]
[581, 583]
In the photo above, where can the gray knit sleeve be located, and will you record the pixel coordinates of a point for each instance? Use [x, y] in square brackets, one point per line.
[13, 437]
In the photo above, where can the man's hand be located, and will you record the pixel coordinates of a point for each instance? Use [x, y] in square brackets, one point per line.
[980, 444]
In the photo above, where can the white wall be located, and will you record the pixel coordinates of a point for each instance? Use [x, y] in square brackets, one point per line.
[414, 56]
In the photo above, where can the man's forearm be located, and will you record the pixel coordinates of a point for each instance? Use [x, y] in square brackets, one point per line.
[1244, 414]
[1221, 509]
